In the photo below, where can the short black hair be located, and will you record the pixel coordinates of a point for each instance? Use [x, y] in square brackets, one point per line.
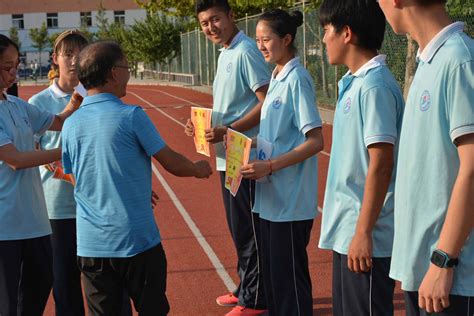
[282, 22]
[96, 62]
[6, 42]
[364, 17]
[203, 5]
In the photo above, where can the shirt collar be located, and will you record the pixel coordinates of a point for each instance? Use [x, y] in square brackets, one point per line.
[375, 62]
[237, 38]
[286, 69]
[101, 97]
[56, 91]
[436, 42]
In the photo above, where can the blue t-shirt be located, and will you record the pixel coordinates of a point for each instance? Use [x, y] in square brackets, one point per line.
[288, 113]
[23, 212]
[107, 146]
[241, 71]
[59, 194]
[440, 109]
[369, 111]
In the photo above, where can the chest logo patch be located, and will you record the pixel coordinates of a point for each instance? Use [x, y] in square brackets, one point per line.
[347, 105]
[229, 68]
[277, 103]
[425, 101]
[27, 122]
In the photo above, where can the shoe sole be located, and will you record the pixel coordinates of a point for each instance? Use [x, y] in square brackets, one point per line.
[225, 305]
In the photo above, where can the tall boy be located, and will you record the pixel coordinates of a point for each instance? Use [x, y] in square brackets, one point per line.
[239, 89]
[433, 251]
[357, 222]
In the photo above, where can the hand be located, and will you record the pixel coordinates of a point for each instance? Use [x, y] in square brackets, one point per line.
[359, 257]
[215, 134]
[75, 102]
[256, 169]
[154, 199]
[203, 169]
[189, 128]
[433, 295]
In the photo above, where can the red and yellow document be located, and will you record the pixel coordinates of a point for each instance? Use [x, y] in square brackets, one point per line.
[201, 119]
[237, 155]
[56, 168]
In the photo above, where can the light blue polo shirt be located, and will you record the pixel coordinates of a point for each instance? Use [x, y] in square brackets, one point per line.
[108, 145]
[241, 71]
[22, 207]
[288, 113]
[440, 108]
[59, 194]
[369, 111]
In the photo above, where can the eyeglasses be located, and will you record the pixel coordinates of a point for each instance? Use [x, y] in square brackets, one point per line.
[12, 70]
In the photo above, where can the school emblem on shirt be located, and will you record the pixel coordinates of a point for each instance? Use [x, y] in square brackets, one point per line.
[262, 155]
[276, 103]
[27, 122]
[347, 105]
[425, 101]
[229, 68]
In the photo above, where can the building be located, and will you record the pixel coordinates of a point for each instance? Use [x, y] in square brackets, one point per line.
[59, 15]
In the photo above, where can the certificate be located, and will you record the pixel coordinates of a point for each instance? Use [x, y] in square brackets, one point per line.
[201, 119]
[56, 168]
[237, 154]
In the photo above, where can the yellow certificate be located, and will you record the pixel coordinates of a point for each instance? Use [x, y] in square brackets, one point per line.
[237, 155]
[201, 119]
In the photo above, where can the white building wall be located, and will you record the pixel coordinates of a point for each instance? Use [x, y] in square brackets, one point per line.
[134, 15]
[34, 20]
[5, 21]
[69, 20]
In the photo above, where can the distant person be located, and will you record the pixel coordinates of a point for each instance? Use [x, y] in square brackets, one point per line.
[108, 147]
[433, 250]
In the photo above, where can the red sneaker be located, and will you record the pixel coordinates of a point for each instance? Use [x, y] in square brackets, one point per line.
[244, 311]
[227, 300]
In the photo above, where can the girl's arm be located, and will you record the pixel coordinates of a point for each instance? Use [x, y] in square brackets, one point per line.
[313, 144]
[21, 160]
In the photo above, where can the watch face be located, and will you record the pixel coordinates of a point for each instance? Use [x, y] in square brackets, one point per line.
[438, 259]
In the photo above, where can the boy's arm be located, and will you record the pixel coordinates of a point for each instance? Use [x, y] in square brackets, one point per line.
[21, 160]
[251, 119]
[381, 162]
[436, 286]
[180, 166]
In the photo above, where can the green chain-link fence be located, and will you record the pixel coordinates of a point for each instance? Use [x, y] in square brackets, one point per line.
[199, 56]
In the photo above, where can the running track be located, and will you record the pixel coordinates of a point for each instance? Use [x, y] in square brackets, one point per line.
[190, 215]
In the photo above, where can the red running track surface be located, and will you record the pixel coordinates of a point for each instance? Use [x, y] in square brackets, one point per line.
[193, 281]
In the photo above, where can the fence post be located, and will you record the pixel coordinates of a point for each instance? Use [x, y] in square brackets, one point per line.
[189, 54]
[182, 52]
[246, 24]
[304, 35]
[207, 61]
[198, 37]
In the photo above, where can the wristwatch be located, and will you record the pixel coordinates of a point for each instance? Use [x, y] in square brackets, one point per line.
[441, 259]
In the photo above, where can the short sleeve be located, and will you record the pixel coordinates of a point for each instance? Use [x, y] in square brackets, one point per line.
[65, 155]
[4, 137]
[146, 132]
[460, 101]
[40, 120]
[304, 103]
[379, 111]
[255, 70]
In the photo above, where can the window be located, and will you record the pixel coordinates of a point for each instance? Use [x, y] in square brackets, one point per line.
[17, 21]
[52, 19]
[119, 17]
[86, 19]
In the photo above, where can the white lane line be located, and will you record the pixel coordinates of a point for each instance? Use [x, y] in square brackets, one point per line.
[173, 96]
[229, 283]
[157, 108]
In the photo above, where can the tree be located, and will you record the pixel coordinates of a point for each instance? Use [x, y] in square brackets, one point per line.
[40, 40]
[102, 23]
[14, 36]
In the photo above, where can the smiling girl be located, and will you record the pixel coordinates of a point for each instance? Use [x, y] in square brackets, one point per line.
[289, 138]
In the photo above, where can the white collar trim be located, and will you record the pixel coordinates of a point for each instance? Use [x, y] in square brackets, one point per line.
[379, 60]
[286, 69]
[436, 42]
[56, 91]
